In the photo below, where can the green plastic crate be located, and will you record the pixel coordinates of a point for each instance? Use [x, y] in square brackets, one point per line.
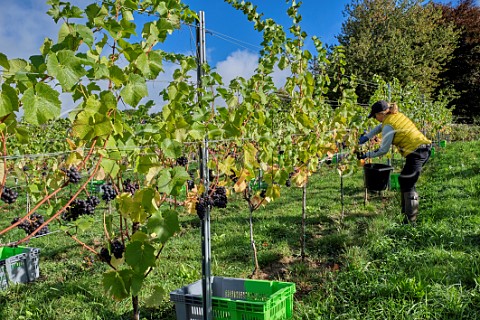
[394, 184]
[18, 265]
[94, 186]
[256, 184]
[234, 298]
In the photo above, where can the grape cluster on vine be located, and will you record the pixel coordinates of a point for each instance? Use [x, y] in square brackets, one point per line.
[93, 200]
[29, 225]
[80, 207]
[263, 193]
[73, 175]
[108, 192]
[129, 186]
[191, 181]
[105, 255]
[201, 206]
[115, 248]
[9, 195]
[288, 183]
[182, 161]
[219, 197]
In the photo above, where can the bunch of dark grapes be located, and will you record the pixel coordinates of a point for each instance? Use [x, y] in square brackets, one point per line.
[117, 248]
[31, 224]
[9, 195]
[263, 193]
[93, 201]
[191, 181]
[182, 161]
[288, 183]
[202, 205]
[105, 255]
[73, 175]
[80, 207]
[129, 186]
[108, 192]
[44, 169]
[219, 197]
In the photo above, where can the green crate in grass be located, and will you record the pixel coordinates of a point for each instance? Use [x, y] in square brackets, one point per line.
[18, 265]
[257, 184]
[394, 184]
[94, 186]
[237, 299]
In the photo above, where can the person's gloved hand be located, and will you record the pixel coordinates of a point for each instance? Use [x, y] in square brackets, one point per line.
[363, 139]
[361, 155]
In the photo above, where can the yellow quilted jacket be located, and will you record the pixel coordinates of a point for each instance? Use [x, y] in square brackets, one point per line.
[407, 137]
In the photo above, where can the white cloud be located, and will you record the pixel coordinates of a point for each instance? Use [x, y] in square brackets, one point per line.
[243, 63]
[240, 63]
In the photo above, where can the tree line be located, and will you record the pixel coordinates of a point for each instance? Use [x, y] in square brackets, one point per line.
[434, 45]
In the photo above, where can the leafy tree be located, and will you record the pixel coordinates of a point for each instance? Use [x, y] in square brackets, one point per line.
[463, 71]
[396, 39]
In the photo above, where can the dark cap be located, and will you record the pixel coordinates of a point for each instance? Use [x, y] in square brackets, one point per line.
[377, 107]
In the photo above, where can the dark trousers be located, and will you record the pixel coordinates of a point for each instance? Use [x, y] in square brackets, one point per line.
[412, 168]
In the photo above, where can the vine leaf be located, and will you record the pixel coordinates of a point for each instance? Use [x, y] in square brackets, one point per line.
[4, 61]
[41, 103]
[250, 153]
[171, 181]
[116, 283]
[8, 100]
[131, 208]
[135, 90]
[163, 225]
[137, 283]
[110, 166]
[92, 121]
[140, 256]
[171, 148]
[242, 183]
[66, 68]
[156, 298]
[146, 199]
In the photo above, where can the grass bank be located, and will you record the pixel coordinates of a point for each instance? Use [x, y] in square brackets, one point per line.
[362, 264]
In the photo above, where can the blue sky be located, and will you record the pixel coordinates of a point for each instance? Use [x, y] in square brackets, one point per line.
[22, 31]
[322, 18]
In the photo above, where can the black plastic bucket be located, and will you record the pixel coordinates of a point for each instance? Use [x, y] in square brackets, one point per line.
[376, 176]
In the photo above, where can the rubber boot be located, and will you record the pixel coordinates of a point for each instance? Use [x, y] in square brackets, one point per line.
[411, 206]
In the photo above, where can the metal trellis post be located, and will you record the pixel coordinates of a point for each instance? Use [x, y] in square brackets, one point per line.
[204, 176]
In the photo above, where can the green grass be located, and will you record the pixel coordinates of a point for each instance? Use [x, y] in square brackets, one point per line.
[364, 265]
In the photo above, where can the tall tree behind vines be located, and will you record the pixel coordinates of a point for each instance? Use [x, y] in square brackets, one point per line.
[463, 71]
[401, 39]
